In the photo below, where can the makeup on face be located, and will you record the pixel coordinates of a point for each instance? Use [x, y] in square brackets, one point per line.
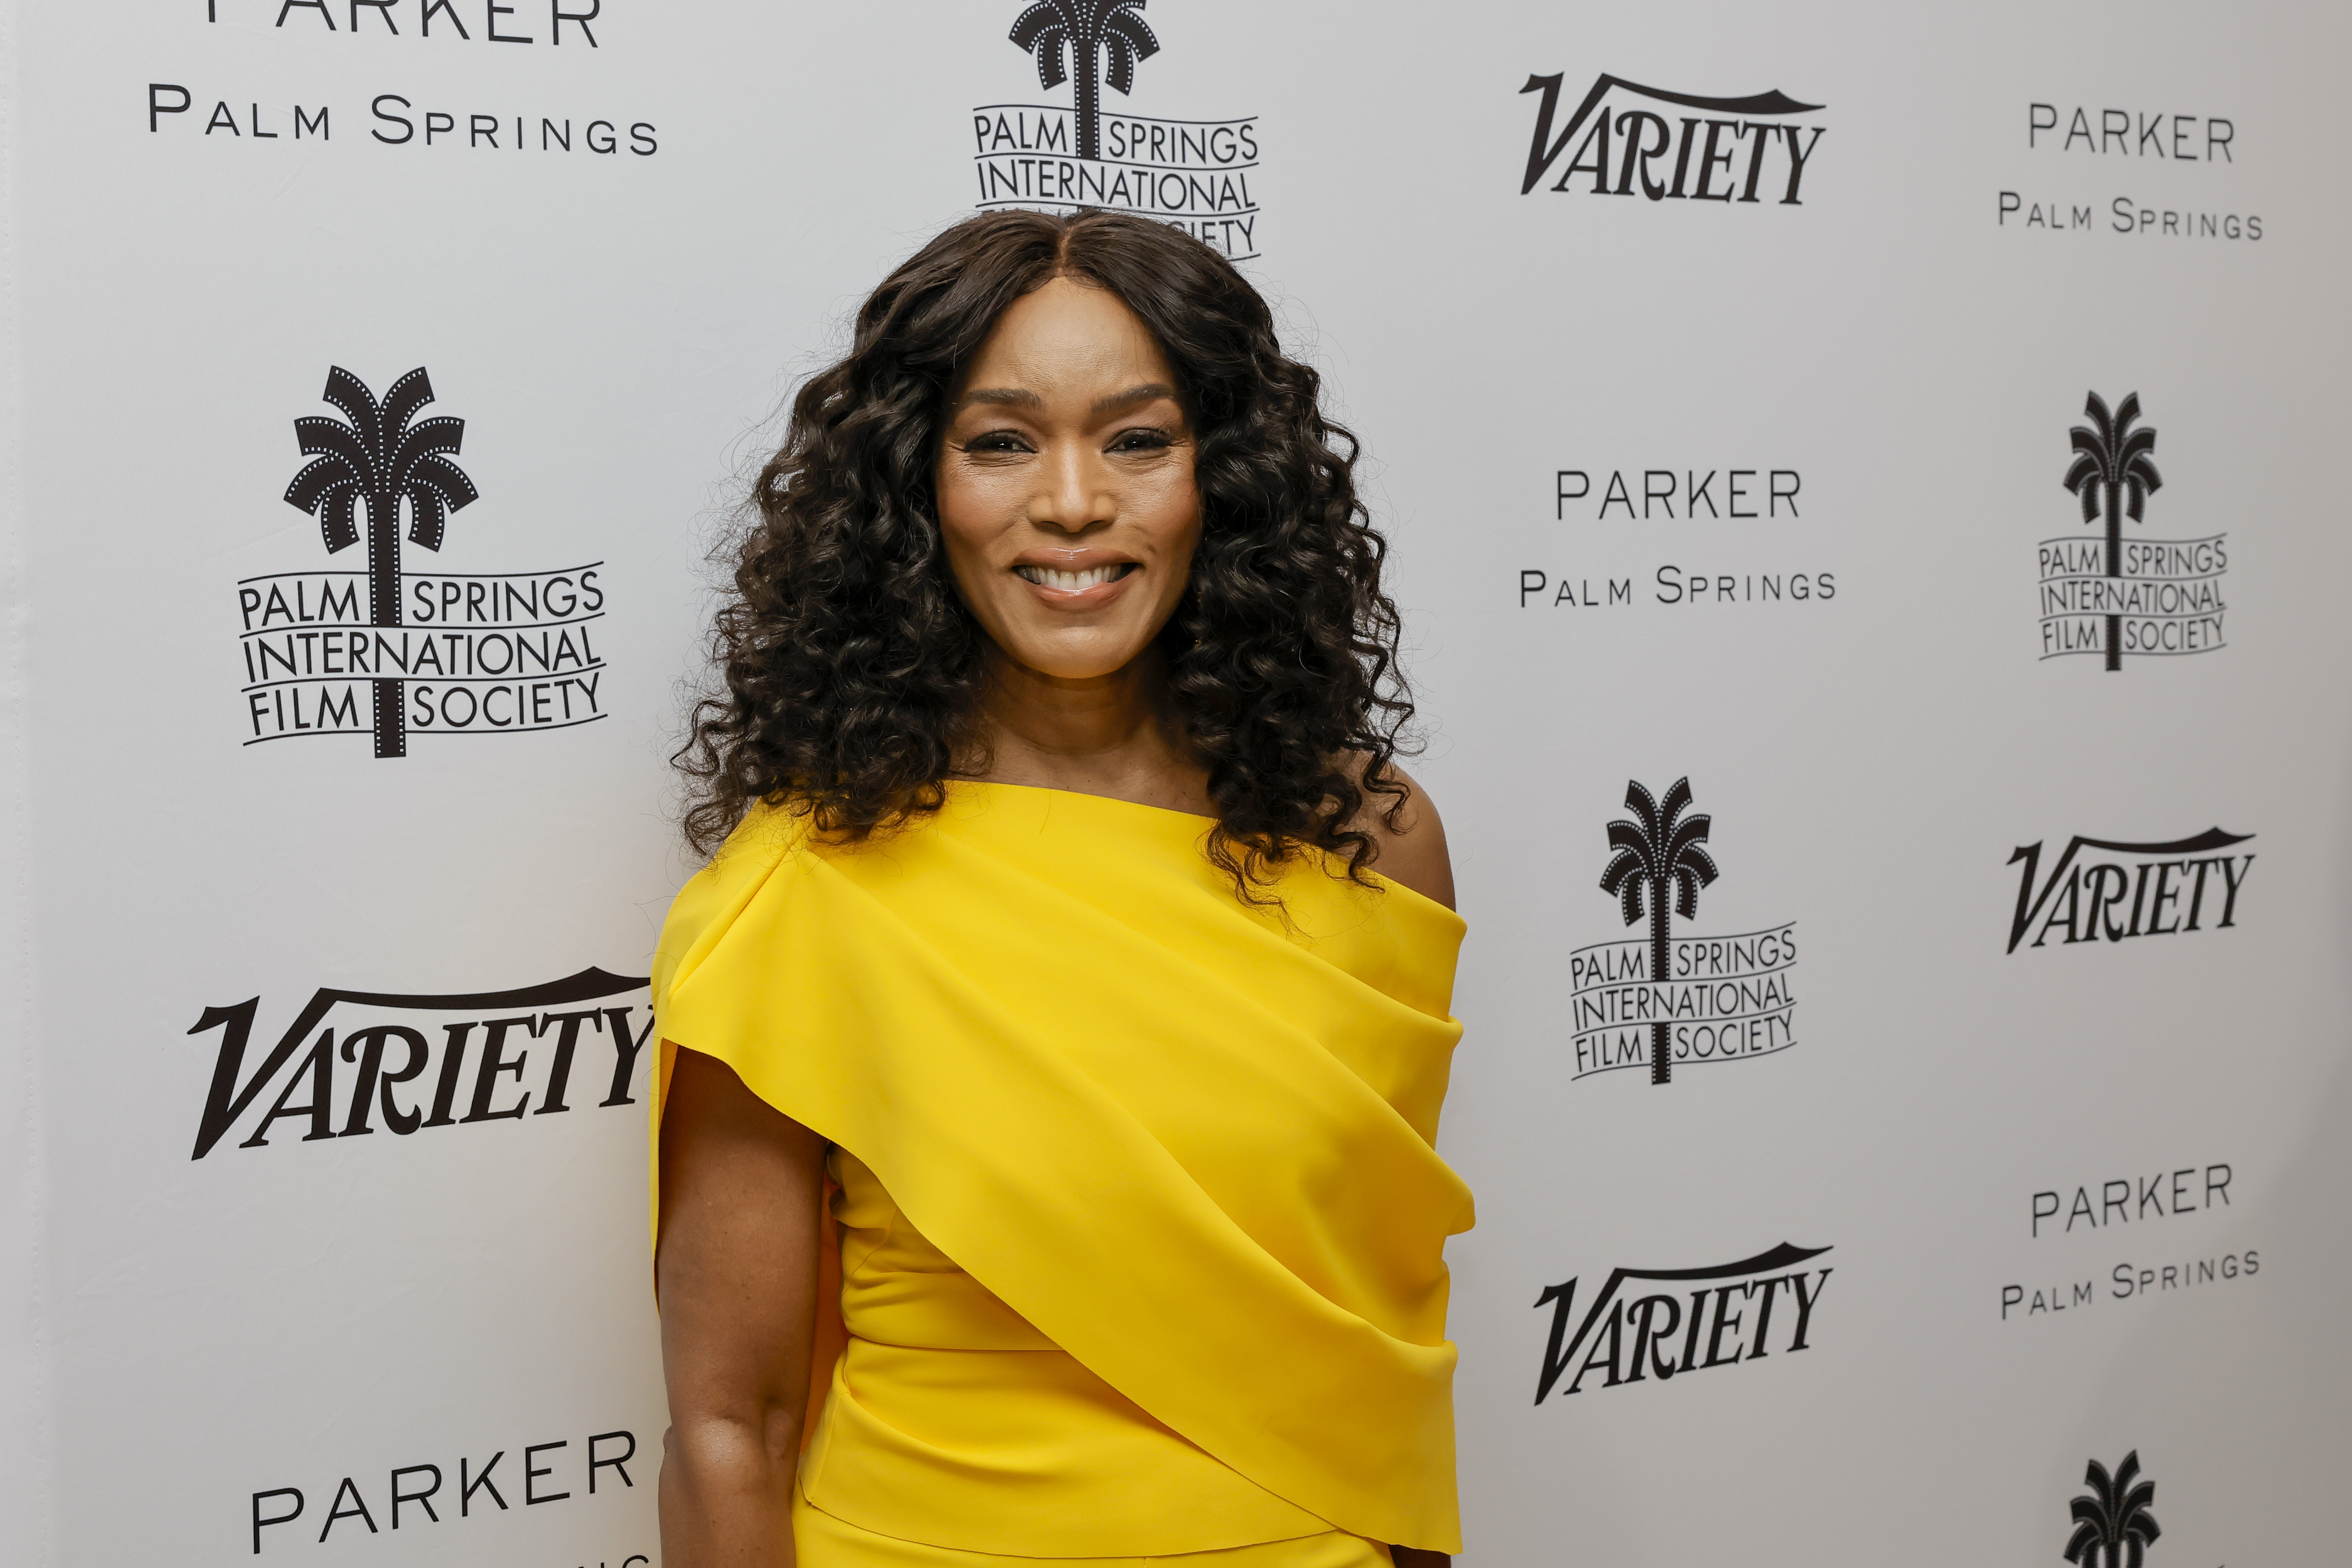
[1065, 489]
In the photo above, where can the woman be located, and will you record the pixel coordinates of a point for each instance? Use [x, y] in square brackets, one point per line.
[1045, 946]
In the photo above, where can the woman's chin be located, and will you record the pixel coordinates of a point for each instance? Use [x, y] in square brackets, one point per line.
[1075, 658]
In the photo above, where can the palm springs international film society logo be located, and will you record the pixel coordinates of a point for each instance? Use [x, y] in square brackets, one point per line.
[389, 652]
[1675, 999]
[2115, 595]
[1191, 174]
[2114, 1520]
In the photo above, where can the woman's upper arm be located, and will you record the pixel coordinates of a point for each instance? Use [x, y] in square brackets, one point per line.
[1413, 851]
[736, 1264]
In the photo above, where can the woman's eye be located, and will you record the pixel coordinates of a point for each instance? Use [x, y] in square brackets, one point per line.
[997, 441]
[1140, 441]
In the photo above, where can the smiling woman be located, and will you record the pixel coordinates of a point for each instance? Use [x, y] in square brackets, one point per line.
[1069, 509]
[1053, 1047]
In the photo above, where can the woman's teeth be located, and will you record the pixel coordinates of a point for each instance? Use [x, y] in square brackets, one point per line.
[1073, 582]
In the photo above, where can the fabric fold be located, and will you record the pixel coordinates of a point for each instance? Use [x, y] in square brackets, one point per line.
[1189, 1142]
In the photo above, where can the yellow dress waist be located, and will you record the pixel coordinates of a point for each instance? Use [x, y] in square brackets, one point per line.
[952, 1421]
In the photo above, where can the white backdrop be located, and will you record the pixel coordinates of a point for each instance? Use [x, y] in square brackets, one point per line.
[2056, 1206]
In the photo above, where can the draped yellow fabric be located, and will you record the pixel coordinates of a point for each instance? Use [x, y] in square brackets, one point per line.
[1141, 1221]
[825, 1542]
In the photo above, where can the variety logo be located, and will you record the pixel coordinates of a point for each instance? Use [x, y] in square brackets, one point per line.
[2146, 890]
[499, 653]
[1761, 151]
[1630, 1342]
[1670, 999]
[2113, 1525]
[387, 1045]
[2144, 596]
[1192, 173]
[2147, 143]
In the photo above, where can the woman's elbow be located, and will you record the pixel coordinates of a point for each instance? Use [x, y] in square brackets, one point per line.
[744, 1449]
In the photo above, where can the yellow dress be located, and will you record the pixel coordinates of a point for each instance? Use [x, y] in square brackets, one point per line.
[1139, 1214]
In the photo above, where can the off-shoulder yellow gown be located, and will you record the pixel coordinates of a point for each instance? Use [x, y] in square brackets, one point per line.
[1139, 1214]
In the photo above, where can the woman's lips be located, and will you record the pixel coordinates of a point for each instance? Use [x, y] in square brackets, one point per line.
[1076, 581]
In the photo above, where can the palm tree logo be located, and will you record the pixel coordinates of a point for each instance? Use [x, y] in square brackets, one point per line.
[1658, 853]
[2112, 465]
[2113, 1517]
[1089, 27]
[379, 458]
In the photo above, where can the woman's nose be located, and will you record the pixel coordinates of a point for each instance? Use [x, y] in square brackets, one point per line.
[1073, 496]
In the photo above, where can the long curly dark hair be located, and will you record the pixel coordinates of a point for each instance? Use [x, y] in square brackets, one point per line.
[853, 669]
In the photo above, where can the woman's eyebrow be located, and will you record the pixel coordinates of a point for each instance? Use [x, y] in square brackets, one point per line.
[1004, 396]
[1131, 396]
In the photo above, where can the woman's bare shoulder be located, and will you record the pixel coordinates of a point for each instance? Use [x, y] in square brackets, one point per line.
[1413, 851]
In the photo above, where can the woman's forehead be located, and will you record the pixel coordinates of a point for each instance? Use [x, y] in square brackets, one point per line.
[1066, 338]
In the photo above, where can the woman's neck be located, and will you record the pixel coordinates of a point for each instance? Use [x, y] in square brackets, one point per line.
[1109, 735]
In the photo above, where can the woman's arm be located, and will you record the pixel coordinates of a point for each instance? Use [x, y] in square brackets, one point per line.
[1413, 853]
[736, 1270]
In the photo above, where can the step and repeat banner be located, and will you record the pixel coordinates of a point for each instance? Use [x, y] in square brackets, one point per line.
[1866, 491]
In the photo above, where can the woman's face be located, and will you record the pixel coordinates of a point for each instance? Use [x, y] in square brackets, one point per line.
[1066, 486]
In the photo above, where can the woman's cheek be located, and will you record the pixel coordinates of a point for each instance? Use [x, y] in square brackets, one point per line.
[1173, 506]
